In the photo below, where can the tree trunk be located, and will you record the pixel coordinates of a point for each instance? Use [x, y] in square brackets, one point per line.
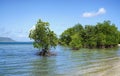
[45, 52]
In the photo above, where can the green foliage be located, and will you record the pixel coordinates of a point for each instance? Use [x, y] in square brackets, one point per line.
[101, 39]
[72, 37]
[90, 36]
[43, 37]
[76, 41]
[119, 37]
[107, 34]
[65, 37]
[102, 35]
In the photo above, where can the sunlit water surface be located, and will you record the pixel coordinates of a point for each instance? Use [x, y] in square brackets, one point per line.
[21, 60]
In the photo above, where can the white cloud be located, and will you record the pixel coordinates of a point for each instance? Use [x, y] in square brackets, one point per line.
[93, 14]
[101, 11]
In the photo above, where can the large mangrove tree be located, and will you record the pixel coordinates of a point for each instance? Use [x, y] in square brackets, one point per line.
[43, 38]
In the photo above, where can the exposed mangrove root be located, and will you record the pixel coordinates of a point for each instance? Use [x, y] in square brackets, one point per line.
[46, 53]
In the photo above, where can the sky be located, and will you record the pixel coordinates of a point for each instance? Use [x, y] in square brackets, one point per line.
[17, 17]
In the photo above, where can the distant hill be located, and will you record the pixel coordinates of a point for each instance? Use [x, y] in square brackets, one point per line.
[6, 39]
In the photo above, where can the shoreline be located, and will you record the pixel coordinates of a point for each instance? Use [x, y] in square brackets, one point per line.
[110, 69]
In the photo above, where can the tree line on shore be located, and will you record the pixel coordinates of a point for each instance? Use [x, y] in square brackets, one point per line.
[101, 35]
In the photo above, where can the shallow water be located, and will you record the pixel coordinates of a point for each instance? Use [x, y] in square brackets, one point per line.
[21, 60]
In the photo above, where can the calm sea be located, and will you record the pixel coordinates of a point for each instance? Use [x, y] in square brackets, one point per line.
[20, 59]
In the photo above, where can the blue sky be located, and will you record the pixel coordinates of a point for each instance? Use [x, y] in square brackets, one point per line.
[17, 17]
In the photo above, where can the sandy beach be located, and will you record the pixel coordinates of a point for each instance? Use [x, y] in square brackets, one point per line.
[113, 71]
[110, 68]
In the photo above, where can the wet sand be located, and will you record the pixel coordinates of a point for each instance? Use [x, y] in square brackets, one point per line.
[111, 68]
[107, 70]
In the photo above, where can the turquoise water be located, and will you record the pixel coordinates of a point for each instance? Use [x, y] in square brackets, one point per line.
[21, 60]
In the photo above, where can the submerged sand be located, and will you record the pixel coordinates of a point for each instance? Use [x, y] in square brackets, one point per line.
[113, 71]
[109, 67]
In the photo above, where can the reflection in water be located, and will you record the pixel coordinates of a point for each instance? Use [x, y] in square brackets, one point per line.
[20, 60]
[43, 66]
